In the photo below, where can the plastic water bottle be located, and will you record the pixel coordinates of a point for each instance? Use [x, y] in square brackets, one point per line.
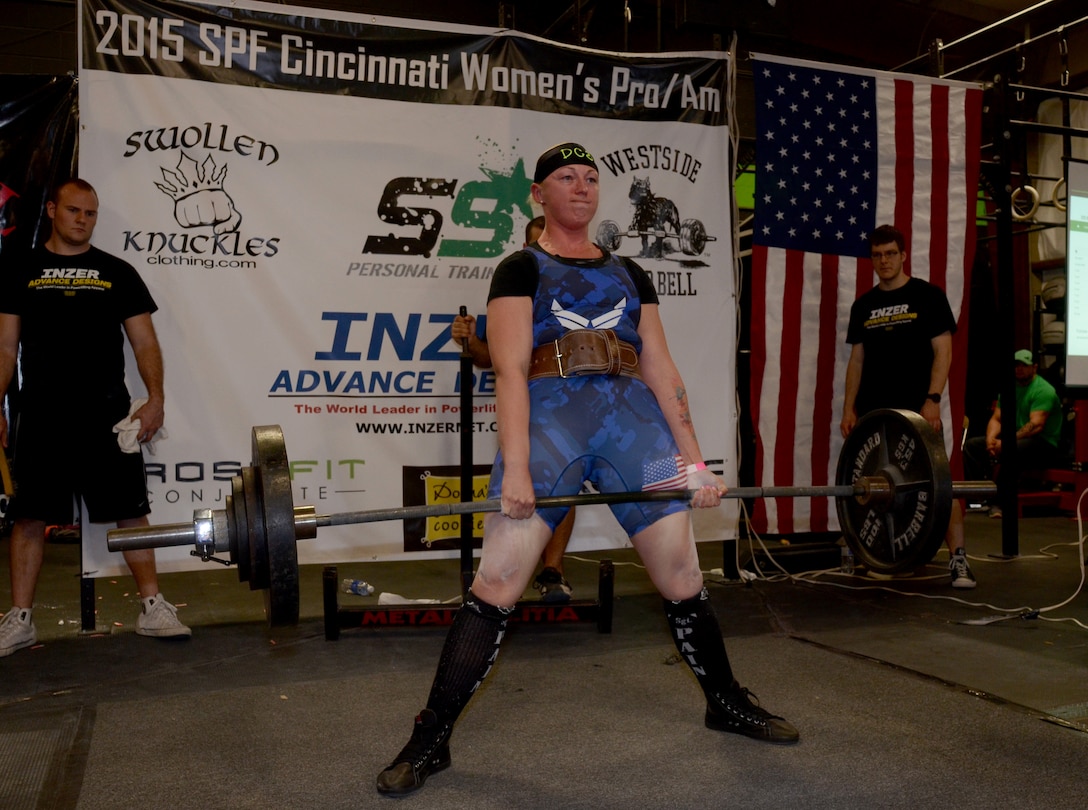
[359, 587]
[846, 563]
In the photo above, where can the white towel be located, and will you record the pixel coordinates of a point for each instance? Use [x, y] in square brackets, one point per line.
[128, 429]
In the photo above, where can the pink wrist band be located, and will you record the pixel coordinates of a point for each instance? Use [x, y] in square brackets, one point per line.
[692, 468]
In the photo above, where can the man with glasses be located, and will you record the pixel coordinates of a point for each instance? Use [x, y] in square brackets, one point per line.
[901, 337]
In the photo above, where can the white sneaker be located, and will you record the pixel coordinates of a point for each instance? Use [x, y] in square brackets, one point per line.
[160, 619]
[16, 631]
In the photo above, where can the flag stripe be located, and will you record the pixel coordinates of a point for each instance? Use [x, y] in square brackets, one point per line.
[804, 441]
[918, 193]
[938, 192]
[903, 174]
[772, 384]
[793, 294]
[822, 412]
[758, 354]
[962, 220]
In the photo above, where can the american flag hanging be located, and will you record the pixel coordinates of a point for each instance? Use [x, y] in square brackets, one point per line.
[838, 152]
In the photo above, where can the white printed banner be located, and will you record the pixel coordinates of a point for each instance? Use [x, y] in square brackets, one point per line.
[311, 196]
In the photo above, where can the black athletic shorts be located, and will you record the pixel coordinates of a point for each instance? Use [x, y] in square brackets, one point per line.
[59, 456]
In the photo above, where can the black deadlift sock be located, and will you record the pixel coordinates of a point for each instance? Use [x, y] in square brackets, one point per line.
[698, 638]
[467, 656]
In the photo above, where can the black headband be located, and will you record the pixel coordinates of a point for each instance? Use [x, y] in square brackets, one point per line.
[562, 155]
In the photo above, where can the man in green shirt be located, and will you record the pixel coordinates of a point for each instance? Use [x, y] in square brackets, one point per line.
[1038, 426]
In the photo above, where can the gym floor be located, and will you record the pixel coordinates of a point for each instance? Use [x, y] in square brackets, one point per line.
[907, 693]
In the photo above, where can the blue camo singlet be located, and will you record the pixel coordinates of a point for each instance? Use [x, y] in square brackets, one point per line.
[608, 430]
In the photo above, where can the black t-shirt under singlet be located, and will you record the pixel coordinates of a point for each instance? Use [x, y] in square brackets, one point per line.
[518, 275]
[895, 329]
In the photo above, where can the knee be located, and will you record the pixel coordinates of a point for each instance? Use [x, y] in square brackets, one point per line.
[499, 588]
[683, 584]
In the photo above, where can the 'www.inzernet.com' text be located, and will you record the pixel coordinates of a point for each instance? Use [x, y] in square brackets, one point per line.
[410, 428]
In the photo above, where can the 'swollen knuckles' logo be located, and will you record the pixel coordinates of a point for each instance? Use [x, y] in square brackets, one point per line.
[198, 194]
[206, 232]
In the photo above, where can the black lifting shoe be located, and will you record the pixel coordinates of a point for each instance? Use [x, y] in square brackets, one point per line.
[734, 711]
[427, 752]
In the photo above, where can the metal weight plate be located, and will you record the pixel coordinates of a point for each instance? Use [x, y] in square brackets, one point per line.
[238, 528]
[609, 235]
[257, 542]
[903, 533]
[278, 519]
[692, 237]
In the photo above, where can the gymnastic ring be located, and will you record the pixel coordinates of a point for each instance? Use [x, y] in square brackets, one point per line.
[1054, 195]
[1020, 217]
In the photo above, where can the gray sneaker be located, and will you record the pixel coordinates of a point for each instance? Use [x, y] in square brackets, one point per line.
[960, 571]
[160, 620]
[16, 631]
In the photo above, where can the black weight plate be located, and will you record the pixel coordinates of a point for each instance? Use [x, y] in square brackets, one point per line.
[258, 543]
[905, 533]
[281, 546]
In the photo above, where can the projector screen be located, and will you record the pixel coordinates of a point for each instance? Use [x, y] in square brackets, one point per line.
[1076, 319]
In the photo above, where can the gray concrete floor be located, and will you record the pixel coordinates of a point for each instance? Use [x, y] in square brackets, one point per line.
[988, 638]
[1018, 642]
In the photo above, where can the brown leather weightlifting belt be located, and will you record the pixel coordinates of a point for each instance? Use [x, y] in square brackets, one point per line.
[585, 351]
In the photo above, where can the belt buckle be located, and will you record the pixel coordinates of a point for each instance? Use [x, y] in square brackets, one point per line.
[559, 359]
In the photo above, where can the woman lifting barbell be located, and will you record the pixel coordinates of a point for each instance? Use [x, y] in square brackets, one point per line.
[604, 404]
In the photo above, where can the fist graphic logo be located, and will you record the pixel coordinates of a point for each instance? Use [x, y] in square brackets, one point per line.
[198, 195]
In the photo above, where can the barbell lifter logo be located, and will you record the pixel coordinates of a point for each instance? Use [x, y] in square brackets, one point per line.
[198, 194]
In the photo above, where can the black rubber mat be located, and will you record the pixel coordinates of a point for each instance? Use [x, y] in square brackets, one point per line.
[42, 755]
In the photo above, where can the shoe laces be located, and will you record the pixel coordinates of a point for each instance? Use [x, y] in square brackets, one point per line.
[159, 605]
[425, 740]
[958, 565]
[745, 704]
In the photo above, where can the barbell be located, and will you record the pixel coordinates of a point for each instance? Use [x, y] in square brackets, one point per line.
[894, 497]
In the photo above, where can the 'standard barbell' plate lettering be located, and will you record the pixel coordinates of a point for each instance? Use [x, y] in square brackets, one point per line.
[904, 534]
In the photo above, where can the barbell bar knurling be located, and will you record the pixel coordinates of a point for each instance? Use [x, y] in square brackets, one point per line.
[206, 532]
[494, 505]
